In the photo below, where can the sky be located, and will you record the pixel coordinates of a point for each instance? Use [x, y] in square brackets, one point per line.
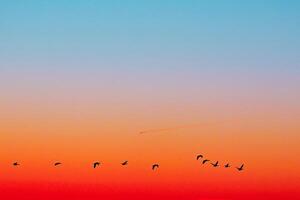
[79, 80]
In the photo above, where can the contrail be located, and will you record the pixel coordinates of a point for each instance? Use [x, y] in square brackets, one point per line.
[179, 127]
[168, 129]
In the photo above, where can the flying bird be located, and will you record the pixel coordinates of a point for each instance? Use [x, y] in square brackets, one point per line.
[57, 163]
[16, 164]
[155, 166]
[199, 156]
[215, 164]
[227, 165]
[241, 167]
[95, 164]
[204, 161]
[124, 163]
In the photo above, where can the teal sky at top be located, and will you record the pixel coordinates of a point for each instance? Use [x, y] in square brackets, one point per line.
[145, 34]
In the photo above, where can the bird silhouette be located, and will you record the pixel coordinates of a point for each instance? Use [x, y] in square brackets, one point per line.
[124, 163]
[57, 163]
[204, 161]
[215, 164]
[227, 165]
[16, 164]
[199, 156]
[95, 164]
[241, 167]
[155, 166]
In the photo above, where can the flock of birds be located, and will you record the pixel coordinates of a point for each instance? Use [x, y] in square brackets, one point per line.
[216, 164]
[155, 166]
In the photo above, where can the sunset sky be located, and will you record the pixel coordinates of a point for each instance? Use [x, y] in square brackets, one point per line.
[79, 81]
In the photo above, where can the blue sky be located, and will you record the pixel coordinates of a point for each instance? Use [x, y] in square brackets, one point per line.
[214, 33]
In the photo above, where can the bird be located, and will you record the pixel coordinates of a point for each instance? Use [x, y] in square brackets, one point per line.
[204, 161]
[57, 163]
[124, 163]
[227, 165]
[95, 164]
[215, 164]
[16, 164]
[241, 167]
[199, 156]
[155, 166]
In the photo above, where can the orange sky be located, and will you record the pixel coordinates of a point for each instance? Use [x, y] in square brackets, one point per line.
[266, 142]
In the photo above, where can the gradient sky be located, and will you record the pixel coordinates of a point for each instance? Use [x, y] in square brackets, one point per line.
[80, 79]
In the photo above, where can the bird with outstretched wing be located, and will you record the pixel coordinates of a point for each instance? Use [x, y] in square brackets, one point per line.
[95, 164]
[155, 166]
